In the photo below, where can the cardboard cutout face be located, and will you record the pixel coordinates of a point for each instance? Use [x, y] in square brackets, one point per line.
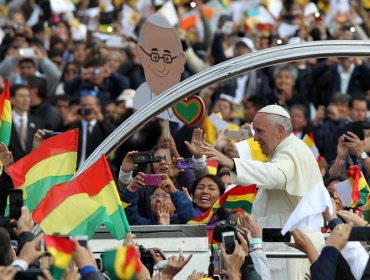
[160, 53]
[160, 57]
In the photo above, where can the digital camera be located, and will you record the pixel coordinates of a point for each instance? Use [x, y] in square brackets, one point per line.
[224, 226]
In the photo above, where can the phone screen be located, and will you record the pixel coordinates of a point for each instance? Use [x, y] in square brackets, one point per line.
[356, 128]
[15, 203]
[152, 179]
[228, 239]
[274, 235]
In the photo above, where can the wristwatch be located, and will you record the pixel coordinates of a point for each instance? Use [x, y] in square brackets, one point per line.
[362, 157]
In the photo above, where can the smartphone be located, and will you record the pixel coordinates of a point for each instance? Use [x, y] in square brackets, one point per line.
[185, 164]
[274, 235]
[51, 134]
[82, 240]
[26, 52]
[238, 134]
[42, 245]
[15, 203]
[228, 239]
[359, 234]
[152, 179]
[144, 157]
[30, 274]
[354, 127]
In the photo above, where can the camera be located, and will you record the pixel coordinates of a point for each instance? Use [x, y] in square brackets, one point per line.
[229, 225]
[84, 112]
[144, 157]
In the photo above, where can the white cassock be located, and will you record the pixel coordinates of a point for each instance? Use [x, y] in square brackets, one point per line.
[282, 182]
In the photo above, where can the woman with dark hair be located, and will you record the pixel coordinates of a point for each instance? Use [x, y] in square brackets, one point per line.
[145, 201]
[205, 191]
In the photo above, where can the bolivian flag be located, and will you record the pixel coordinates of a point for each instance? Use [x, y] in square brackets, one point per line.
[81, 205]
[360, 188]
[121, 263]
[237, 197]
[310, 142]
[5, 117]
[61, 249]
[52, 163]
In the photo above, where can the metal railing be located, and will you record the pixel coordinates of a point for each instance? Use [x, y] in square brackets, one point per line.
[220, 72]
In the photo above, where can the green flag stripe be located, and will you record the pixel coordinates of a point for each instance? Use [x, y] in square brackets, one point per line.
[5, 132]
[38, 190]
[90, 225]
[245, 205]
[118, 224]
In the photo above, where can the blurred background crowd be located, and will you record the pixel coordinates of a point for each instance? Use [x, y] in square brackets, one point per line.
[73, 64]
[70, 56]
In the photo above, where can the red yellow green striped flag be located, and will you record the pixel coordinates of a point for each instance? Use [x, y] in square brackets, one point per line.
[360, 188]
[61, 249]
[52, 163]
[80, 206]
[122, 263]
[310, 142]
[5, 116]
[237, 197]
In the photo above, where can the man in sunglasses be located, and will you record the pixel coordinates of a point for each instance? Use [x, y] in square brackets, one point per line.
[163, 59]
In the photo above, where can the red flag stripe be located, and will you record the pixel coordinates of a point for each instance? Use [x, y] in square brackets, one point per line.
[61, 244]
[237, 190]
[59, 144]
[5, 95]
[90, 181]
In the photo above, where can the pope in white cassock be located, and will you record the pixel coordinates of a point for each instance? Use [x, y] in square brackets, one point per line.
[282, 181]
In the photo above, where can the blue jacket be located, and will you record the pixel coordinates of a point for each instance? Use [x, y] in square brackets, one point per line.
[184, 209]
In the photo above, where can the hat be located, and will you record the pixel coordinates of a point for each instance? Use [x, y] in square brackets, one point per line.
[247, 42]
[128, 96]
[275, 110]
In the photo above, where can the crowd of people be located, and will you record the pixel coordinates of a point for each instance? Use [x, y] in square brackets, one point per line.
[64, 77]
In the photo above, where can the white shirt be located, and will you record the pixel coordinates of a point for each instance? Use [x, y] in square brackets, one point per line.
[85, 126]
[240, 88]
[345, 77]
[17, 118]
